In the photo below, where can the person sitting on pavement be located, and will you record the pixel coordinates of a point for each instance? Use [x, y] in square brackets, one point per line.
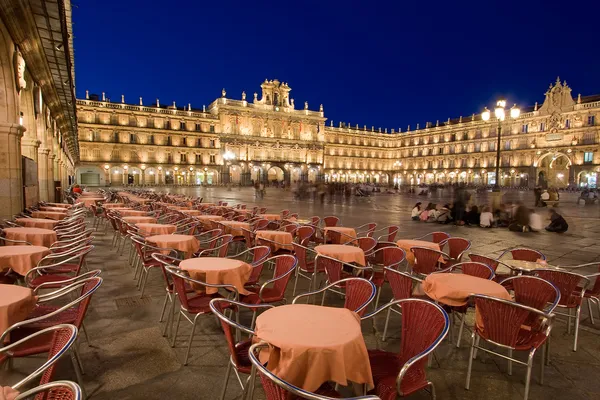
[416, 212]
[486, 219]
[557, 222]
[535, 221]
[472, 216]
[520, 222]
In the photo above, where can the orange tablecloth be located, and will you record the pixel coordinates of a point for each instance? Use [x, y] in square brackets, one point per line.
[345, 253]
[49, 208]
[62, 205]
[192, 213]
[21, 258]
[88, 201]
[312, 345]
[205, 220]
[57, 216]
[89, 194]
[347, 233]
[285, 238]
[270, 217]
[406, 244]
[235, 227]
[455, 289]
[156, 229]
[137, 220]
[218, 271]
[35, 236]
[37, 223]
[16, 303]
[132, 213]
[178, 208]
[187, 244]
[113, 205]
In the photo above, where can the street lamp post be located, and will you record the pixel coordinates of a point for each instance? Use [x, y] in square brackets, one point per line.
[500, 114]
[228, 156]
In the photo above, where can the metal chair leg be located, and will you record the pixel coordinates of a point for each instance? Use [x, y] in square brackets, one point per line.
[295, 283]
[227, 373]
[87, 338]
[528, 376]
[589, 303]
[187, 353]
[470, 367]
[510, 354]
[577, 315]
[164, 307]
[569, 322]
[460, 330]
[176, 329]
[432, 390]
[387, 321]
[377, 298]
[542, 364]
[78, 373]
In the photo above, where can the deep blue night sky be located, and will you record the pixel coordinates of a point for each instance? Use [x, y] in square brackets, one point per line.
[381, 63]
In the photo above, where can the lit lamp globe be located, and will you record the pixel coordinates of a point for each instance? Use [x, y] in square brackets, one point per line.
[485, 115]
[515, 112]
[499, 110]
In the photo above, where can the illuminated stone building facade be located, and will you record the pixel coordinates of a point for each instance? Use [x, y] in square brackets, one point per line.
[240, 141]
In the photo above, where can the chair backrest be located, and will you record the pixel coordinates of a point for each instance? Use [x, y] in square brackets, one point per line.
[314, 220]
[331, 266]
[489, 261]
[260, 225]
[289, 227]
[229, 326]
[439, 237]
[392, 230]
[276, 388]
[390, 256]
[367, 244]
[63, 390]
[480, 270]
[301, 254]
[533, 292]
[331, 221]
[456, 246]
[526, 254]
[284, 264]
[401, 283]
[304, 232]
[424, 326]
[63, 337]
[359, 293]
[569, 284]
[503, 319]
[259, 256]
[426, 260]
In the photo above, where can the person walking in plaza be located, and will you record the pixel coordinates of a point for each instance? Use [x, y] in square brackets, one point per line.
[557, 222]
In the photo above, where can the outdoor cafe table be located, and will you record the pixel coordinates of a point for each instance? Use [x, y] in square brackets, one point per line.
[406, 244]
[235, 227]
[132, 213]
[35, 236]
[16, 303]
[270, 217]
[192, 213]
[186, 244]
[284, 239]
[22, 258]
[37, 223]
[311, 345]
[113, 205]
[88, 201]
[205, 219]
[347, 234]
[341, 252]
[137, 220]
[61, 205]
[48, 208]
[523, 266]
[218, 271]
[57, 216]
[156, 229]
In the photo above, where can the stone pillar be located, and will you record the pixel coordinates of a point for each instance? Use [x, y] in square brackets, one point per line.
[29, 148]
[43, 173]
[572, 174]
[161, 181]
[11, 175]
[51, 190]
[107, 177]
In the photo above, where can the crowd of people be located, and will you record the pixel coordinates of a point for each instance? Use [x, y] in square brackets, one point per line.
[516, 216]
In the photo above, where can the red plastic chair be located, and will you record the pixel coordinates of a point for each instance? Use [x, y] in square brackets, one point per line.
[57, 390]
[524, 254]
[572, 287]
[276, 388]
[402, 285]
[436, 237]
[273, 290]
[381, 259]
[503, 321]
[367, 244]
[54, 269]
[331, 221]
[389, 233]
[238, 349]
[366, 229]
[592, 294]
[306, 266]
[256, 257]
[359, 294]
[314, 221]
[424, 326]
[456, 247]
[334, 270]
[304, 233]
[427, 261]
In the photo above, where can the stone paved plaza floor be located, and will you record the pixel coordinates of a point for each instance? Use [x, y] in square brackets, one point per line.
[130, 359]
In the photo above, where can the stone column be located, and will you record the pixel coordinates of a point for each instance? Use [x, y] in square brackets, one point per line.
[160, 177]
[51, 190]
[29, 148]
[125, 177]
[11, 178]
[143, 177]
[43, 173]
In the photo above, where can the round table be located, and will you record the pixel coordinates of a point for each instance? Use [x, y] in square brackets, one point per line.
[88, 201]
[312, 345]
[37, 223]
[348, 235]
[113, 205]
[186, 244]
[270, 217]
[406, 244]
[192, 213]
[523, 266]
[156, 229]
[61, 205]
[16, 303]
[218, 271]
[55, 215]
[283, 239]
[345, 253]
[205, 220]
[455, 289]
[22, 258]
[136, 220]
[235, 227]
[48, 208]
[35, 236]
[132, 213]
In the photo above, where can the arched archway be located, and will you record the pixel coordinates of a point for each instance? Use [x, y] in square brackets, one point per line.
[134, 176]
[151, 176]
[588, 179]
[295, 174]
[90, 175]
[169, 176]
[275, 174]
[116, 176]
[553, 169]
[312, 175]
[235, 174]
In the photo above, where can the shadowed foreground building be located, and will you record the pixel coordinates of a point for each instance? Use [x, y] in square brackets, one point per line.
[240, 141]
[38, 125]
